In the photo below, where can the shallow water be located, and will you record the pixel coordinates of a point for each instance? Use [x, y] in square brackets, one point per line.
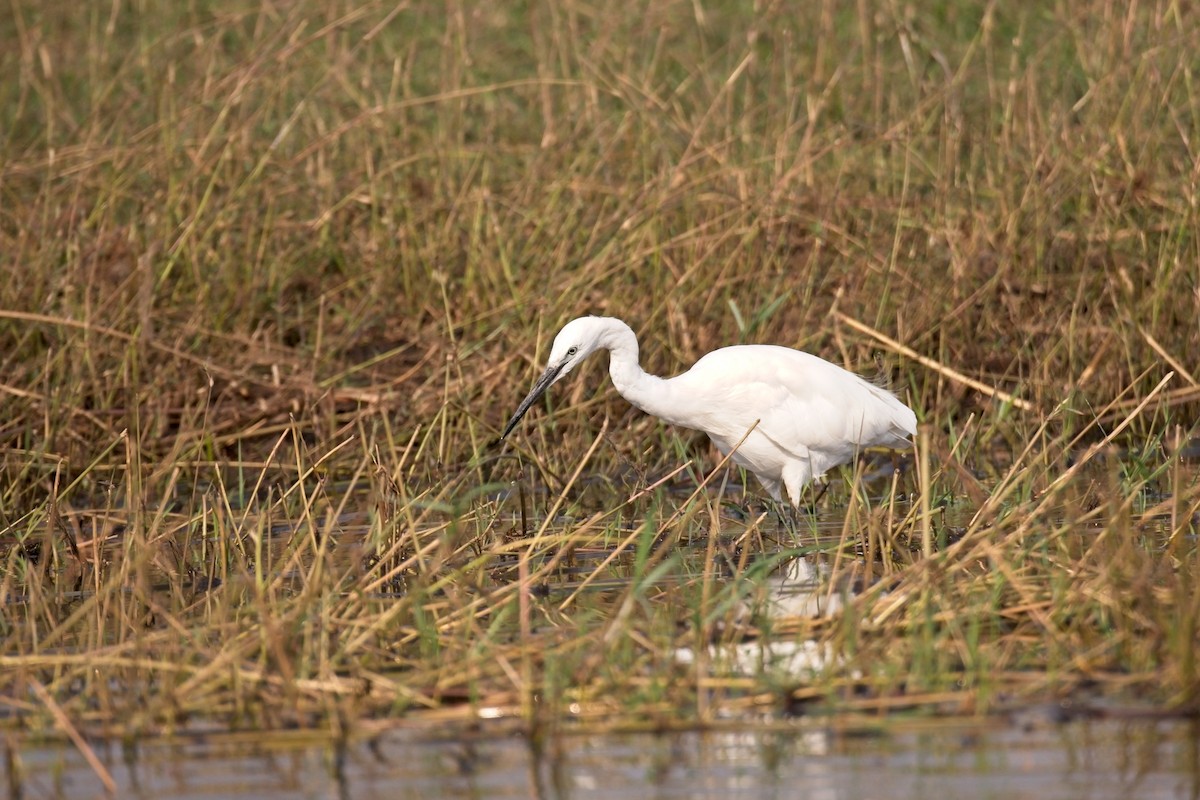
[1029, 757]
[938, 759]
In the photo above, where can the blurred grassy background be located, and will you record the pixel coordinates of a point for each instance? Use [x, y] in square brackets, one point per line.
[335, 238]
[216, 214]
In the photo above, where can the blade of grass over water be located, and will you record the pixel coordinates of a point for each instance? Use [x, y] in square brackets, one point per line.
[276, 277]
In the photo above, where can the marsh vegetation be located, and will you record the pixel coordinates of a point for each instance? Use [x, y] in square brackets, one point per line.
[275, 275]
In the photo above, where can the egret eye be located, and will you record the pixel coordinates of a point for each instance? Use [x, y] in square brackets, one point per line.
[572, 351]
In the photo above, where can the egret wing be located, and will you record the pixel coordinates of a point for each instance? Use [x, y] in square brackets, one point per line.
[799, 400]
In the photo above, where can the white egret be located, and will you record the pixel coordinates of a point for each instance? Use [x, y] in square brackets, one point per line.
[799, 415]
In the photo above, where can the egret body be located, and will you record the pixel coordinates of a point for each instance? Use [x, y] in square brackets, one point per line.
[804, 415]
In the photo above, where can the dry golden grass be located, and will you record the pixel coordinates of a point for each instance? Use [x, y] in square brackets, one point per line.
[275, 274]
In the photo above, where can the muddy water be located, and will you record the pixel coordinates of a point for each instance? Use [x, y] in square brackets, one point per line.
[942, 759]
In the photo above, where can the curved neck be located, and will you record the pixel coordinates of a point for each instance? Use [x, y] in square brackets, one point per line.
[649, 393]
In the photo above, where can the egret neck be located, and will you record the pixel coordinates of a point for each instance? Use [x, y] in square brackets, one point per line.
[649, 393]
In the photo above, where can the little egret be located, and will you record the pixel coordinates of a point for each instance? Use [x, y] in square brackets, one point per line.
[795, 415]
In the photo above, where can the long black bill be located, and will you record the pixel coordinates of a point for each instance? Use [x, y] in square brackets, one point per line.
[539, 389]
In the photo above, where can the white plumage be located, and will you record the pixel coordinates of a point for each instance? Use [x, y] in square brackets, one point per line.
[807, 414]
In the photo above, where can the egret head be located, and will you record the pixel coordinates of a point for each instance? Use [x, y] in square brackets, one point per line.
[578, 339]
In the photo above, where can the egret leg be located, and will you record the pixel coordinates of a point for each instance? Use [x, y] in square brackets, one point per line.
[796, 474]
[772, 488]
[820, 494]
[796, 520]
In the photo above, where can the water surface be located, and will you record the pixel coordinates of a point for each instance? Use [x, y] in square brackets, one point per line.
[930, 759]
